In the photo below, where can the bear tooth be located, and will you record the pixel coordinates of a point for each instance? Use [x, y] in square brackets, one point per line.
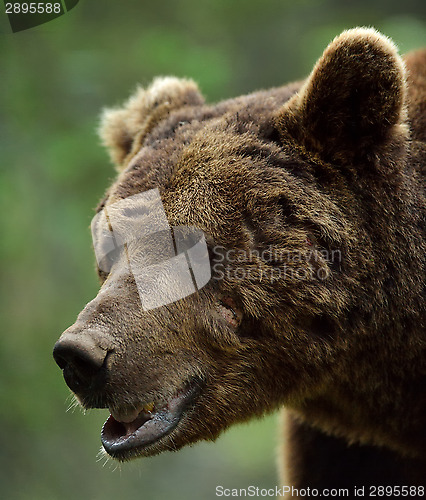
[125, 416]
[148, 408]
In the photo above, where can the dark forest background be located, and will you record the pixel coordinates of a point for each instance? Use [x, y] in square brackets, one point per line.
[54, 80]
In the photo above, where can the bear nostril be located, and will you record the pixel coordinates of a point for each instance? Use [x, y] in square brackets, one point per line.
[81, 362]
[76, 358]
[60, 361]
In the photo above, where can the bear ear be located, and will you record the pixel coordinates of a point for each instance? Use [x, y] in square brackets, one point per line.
[120, 127]
[352, 101]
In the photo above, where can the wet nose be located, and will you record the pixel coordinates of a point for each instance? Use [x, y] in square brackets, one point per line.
[82, 361]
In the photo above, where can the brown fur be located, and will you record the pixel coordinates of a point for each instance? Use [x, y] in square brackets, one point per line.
[333, 163]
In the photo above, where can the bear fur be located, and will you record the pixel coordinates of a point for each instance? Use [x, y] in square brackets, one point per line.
[330, 169]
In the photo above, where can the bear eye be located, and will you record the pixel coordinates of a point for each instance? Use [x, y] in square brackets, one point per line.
[228, 309]
[102, 275]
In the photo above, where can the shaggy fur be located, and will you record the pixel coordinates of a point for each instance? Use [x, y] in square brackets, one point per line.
[329, 169]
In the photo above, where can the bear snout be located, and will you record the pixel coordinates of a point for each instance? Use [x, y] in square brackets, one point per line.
[82, 361]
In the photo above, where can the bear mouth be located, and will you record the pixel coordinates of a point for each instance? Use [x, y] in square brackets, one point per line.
[126, 435]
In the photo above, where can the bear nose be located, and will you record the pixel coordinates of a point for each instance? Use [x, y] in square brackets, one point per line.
[82, 361]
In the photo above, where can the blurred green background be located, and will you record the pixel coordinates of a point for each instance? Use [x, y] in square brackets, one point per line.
[54, 80]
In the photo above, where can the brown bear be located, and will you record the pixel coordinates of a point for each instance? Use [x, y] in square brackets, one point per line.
[311, 203]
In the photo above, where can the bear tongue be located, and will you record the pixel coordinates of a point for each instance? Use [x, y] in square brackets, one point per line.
[133, 426]
[124, 427]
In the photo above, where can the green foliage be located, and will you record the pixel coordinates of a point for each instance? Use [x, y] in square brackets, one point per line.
[54, 80]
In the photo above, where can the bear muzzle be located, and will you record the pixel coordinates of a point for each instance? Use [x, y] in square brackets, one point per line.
[133, 428]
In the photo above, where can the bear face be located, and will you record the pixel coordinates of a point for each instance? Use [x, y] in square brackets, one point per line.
[310, 210]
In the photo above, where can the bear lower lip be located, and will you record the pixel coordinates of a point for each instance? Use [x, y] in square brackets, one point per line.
[124, 439]
[118, 437]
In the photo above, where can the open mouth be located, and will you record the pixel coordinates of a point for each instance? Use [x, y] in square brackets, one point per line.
[126, 434]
